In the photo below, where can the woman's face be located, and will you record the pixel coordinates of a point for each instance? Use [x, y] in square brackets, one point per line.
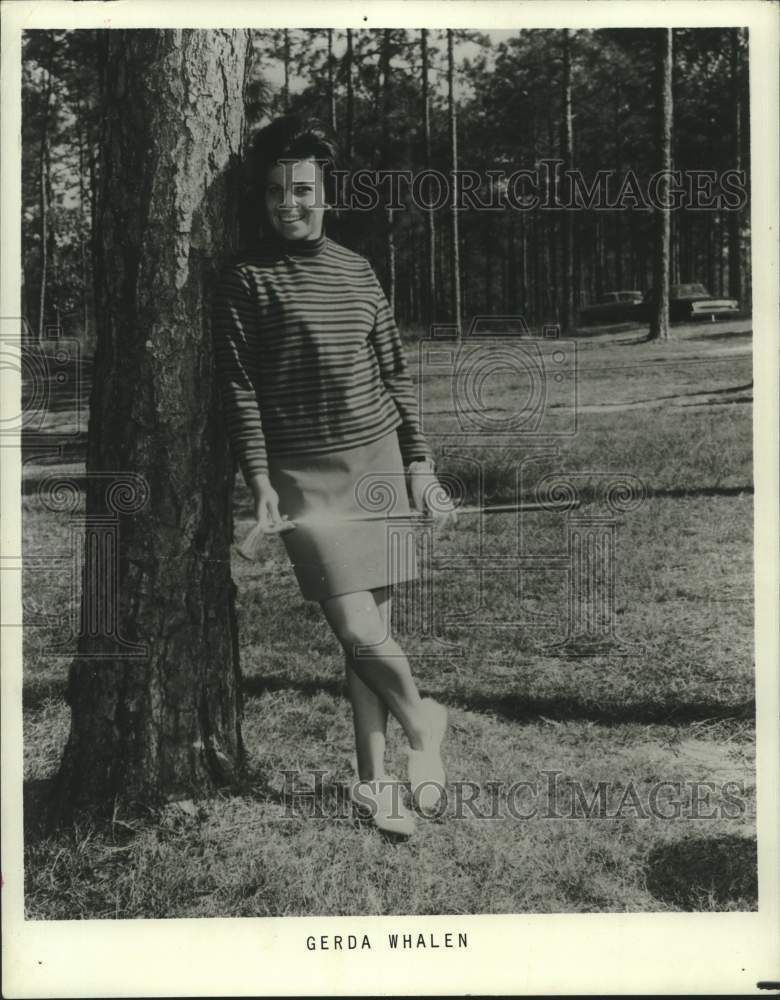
[295, 200]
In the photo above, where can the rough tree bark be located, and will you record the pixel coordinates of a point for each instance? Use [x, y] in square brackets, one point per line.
[659, 318]
[155, 687]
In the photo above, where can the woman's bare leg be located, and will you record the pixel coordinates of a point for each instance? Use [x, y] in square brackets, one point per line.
[369, 712]
[377, 659]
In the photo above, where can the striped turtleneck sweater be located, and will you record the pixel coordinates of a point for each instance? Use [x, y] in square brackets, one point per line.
[308, 355]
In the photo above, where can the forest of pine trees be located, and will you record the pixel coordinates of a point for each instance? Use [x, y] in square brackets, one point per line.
[429, 99]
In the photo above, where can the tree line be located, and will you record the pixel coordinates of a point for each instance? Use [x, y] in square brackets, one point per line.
[588, 100]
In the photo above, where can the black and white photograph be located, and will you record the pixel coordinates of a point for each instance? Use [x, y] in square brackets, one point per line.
[390, 451]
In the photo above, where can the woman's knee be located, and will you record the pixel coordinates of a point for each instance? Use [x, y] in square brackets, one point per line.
[355, 634]
[356, 631]
[355, 622]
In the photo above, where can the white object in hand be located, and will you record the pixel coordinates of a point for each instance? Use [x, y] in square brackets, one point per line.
[248, 547]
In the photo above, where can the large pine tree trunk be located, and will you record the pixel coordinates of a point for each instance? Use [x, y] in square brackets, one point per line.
[659, 319]
[155, 687]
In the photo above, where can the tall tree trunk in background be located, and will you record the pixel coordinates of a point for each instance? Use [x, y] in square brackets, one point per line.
[536, 258]
[443, 273]
[387, 40]
[412, 278]
[567, 155]
[735, 242]
[430, 229]
[511, 263]
[154, 689]
[642, 264]
[710, 236]
[618, 216]
[348, 63]
[550, 230]
[453, 120]
[598, 276]
[83, 225]
[659, 319]
[93, 233]
[331, 82]
[489, 240]
[523, 276]
[633, 279]
[51, 254]
[45, 186]
[286, 61]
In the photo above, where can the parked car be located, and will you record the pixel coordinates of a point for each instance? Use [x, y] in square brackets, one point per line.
[692, 302]
[613, 307]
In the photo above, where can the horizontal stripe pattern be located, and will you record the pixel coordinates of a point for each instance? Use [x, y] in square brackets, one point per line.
[308, 356]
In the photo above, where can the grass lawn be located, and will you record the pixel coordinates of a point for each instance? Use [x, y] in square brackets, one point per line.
[591, 736]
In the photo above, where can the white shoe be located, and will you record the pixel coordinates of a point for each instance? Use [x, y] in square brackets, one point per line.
[427, 776]
[381, 802]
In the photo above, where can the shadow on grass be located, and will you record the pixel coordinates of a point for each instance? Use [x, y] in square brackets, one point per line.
[519, 708]
[722, 334]
[257, 684]
[705, 873]
[255, 783]
[513, 707]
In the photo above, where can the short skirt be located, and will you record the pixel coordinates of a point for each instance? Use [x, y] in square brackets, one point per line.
[333, 550]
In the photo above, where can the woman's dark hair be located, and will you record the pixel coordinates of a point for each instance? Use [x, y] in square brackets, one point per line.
[293, 138]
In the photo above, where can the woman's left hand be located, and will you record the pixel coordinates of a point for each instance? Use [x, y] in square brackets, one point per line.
[430, 496]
